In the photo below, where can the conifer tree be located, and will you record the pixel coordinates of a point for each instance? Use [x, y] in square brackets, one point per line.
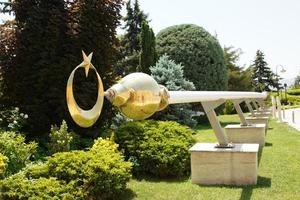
[262, 76]
[148, 54]
[166, 72]
[238, 78]
[130, 44]
[49, 36]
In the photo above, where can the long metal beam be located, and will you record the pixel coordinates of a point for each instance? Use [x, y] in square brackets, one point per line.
[205, 96]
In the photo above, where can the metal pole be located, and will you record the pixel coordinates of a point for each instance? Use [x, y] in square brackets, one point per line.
[293, 117]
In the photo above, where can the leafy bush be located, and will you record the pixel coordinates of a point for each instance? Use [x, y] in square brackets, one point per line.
[100, 173]
[229, 108]
[294, 92]
[13, 146]
[19, 187]
[3, 164]
[60, 138]
[12, 119]
[169, 74]
[157, 148]
[199, 53]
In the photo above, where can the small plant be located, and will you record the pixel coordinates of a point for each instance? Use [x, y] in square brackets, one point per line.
[12, 119]
[60, 138]
[156, 148]
[13, 146]
[3, 164]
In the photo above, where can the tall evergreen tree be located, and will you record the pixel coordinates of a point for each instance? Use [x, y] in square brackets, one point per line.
[262, 76]
[49, 36]
[238, 78]
[148, 53]
[130, 44]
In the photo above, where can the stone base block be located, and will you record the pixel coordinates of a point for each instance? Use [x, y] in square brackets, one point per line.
[262, 114]
[258, 120]
[229, 166]
[246, 134]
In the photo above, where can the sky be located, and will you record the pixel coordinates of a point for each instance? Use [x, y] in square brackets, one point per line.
[273, 26]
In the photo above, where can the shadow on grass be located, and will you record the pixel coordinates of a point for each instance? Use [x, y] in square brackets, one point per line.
[128, 194]
[223, 124]
[168, 180]
[267, 144]
[262, 182]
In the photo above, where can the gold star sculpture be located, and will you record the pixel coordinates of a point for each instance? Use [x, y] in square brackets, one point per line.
[84, 118]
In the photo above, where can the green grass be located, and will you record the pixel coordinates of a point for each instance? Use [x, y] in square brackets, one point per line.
[278, 174]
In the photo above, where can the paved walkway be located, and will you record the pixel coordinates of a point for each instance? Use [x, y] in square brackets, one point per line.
[289, 118]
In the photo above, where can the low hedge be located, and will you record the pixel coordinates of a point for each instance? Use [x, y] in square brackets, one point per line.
[294, 92]
[100, 173]
[156, 148]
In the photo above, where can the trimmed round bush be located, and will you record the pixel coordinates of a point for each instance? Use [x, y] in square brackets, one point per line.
[100, 173]
[199, 52]
[156, 148]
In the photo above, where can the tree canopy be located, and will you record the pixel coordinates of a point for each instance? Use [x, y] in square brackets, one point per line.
[46, 49]
[199, 52]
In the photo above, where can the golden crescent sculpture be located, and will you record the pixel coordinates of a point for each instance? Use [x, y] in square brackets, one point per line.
[84, 118]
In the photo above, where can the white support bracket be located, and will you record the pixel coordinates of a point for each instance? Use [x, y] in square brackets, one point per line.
[209, 108]
[239, 111]
[250, 107]
[255, 104]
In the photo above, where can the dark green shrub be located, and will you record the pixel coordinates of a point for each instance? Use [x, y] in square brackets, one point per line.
[157, 148]
[100, 173]
[294, 92]
[199, 53]
[13, 146]
[18, 187]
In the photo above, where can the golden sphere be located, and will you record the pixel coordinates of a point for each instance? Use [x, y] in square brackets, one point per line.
[137, 96]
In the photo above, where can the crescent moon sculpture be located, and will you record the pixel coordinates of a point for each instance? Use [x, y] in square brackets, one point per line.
[84, 118]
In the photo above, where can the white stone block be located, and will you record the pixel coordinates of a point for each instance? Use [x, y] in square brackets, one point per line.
[229, 166]
[246, 134]
[258, 120]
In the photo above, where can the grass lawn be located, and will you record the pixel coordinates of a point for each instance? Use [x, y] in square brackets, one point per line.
[278, 172]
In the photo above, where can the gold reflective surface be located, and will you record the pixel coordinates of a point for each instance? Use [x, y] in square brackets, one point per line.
[138, 96]
[84, 118]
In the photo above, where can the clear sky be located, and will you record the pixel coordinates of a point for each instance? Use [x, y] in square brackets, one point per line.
[272, 26]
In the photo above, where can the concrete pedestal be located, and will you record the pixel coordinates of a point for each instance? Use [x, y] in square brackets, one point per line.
[246, 134]
[258, 120]
[229, 166]
[262, 114]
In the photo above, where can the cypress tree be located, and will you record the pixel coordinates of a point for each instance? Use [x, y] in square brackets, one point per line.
[148, 54]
